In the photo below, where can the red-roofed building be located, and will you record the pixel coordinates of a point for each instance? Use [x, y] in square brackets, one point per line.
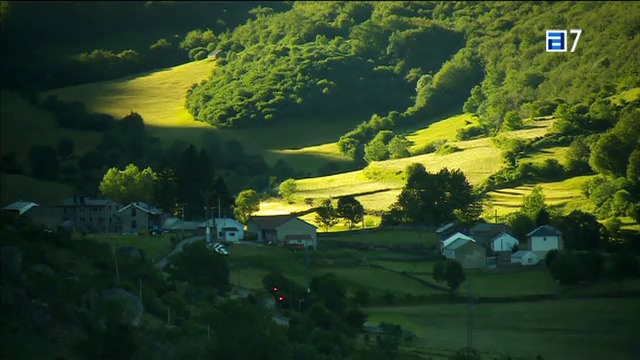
[286, 230]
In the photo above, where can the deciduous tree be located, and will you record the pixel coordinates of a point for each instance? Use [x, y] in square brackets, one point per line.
[128, 185]
[287, 189]
[350, 210]
[326, 215]
[247, 203]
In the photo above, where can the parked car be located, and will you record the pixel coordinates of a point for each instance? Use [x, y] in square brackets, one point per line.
[219, 248]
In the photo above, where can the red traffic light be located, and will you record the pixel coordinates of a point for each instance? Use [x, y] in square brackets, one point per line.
[280, 298]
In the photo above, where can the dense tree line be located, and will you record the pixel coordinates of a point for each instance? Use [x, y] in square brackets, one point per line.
[283, 65]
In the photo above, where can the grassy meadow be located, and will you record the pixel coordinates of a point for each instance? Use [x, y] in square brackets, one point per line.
[566, 193]
[478, 159]
[555, 329]
[160, 96]
[154, 247]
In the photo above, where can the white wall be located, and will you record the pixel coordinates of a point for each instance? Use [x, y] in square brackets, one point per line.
[297, 227]
[530, 259]
[505, 242]
[544, 243]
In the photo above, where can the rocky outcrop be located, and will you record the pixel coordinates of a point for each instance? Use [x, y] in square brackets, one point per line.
[129, 308]
[131, 252]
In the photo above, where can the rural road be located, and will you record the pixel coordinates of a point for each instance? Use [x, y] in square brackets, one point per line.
[162, 263]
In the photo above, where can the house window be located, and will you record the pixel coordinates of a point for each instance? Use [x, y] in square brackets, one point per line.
[133, 211]
[220, 234]
[232, 234]
[530, 260]
[134, 225]
[100, 220]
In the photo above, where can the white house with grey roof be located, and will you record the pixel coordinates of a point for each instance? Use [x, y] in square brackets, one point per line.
[226, 229]
[544, 239]
[446, 242]
[466, 251]
[503, 242]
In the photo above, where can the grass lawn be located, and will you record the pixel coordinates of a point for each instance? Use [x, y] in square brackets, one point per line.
[155, 247]
[378, 282]
[248, 277]
[628, 95]
[15, 187]
[388, 237]
[567, 192]
[419, 267]
[442, 130]
[478, 159]
[556, 153]
[528, 282]
[558, 329]
[159, 96]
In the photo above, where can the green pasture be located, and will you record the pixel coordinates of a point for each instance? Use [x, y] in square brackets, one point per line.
[387, 237]
[565, 193]
[555, 329]
[154, 247]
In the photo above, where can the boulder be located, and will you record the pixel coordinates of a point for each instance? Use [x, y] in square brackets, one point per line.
[131, 252]
[12, 264]
[129, 308]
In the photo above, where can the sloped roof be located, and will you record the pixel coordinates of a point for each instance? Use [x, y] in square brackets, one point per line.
[85, 201]
[144, 207]
[484, 227]
[458, 243]
[271, 222]
[177, 224]
[455, 237]
[445, 227]
[521, 253]
[545, 230]
[502, 234]
[223, 223]
[21, 206]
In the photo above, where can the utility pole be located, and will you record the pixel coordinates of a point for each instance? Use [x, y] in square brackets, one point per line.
[306, 269]
[470, 316]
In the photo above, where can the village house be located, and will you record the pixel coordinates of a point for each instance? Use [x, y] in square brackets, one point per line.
[225, 229]
[36, 213]
[178, 226]
[285, 230]
[544, 239]
[483, 233]
[525, 258]
[503, 242]
[446, 242]
[140, 217]
[446, 230]
[467, 252]
[91, 214]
